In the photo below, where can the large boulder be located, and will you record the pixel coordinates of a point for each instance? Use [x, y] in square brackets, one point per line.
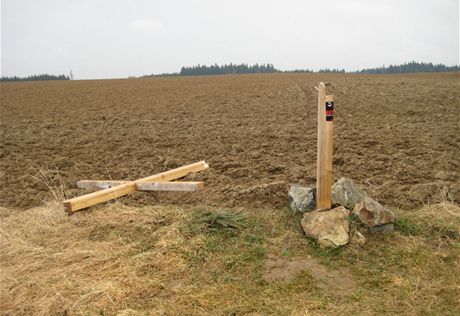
[376, 217]
[330, 228]
[346, 193]
[302, 199]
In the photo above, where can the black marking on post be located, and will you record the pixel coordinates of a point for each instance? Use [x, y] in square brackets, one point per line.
[329, 111]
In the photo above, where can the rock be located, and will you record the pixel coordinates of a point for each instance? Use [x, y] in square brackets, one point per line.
[330, 228]
[302, 199]
[358, 239]
[374, 215]
[385, 228]
[345, 192]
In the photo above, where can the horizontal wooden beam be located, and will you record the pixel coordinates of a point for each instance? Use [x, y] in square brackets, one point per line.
[170, 186]
[84, 201]
[144, 186]
[98, 184]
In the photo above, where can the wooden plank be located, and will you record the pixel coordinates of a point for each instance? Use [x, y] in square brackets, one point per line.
[94, 198]
[98, 184]
[176, 173]
[97, 197]
[320, 170]
[189, 186]
[324, 154]
[171, 186]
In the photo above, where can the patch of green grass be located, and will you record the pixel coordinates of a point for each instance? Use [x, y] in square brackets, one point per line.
[435, 231]
[246, 256]
[439, 223]
[443, 234]
[253, 239]
[215, 222]
[286, 253]
[406, 227]
[230, 240]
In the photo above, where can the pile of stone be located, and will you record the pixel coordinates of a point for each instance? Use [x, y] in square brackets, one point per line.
[331, 228]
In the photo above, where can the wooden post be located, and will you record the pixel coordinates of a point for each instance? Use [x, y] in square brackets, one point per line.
[325, 145]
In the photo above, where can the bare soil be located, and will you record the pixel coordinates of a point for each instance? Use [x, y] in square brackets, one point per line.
[395, 135]
[334, 282]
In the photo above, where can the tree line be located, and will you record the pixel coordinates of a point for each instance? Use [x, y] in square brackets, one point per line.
[412, 66]
[202, 70]
[36, 78]
[227, 69]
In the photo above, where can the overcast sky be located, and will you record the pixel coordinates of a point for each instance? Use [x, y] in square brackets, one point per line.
[119, 38]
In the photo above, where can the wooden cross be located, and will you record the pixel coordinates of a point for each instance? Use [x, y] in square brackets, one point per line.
[114, 189]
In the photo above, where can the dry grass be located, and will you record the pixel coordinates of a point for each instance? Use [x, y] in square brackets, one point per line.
[116, 260]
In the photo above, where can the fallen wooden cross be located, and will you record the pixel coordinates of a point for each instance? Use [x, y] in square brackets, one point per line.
[114, 189]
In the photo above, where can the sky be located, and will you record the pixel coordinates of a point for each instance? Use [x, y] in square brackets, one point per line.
[121, 38]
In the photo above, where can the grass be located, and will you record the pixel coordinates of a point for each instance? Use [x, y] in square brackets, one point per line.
[193, 261]
[48, 178]
[407, 227]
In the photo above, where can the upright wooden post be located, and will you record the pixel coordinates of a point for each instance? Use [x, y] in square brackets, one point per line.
[325, 145]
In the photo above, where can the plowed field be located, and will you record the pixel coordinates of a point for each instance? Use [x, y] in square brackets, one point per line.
[395, 135]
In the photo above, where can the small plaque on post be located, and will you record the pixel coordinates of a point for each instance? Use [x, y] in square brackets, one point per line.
[329, 110]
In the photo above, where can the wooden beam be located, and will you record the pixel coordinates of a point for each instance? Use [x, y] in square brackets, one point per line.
[144, 186]
[170, 186]
[122, 189]
[176, 173]
[98, 184]
[94, 198]
[324, 155]
[320, 170]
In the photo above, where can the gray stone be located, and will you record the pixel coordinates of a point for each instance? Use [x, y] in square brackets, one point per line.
[374, 215]
[385, 228]
[302, 199]
[346, 193]
[330, 228]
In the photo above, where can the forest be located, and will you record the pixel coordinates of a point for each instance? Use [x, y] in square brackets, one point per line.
[203, 70]
[36, 78]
